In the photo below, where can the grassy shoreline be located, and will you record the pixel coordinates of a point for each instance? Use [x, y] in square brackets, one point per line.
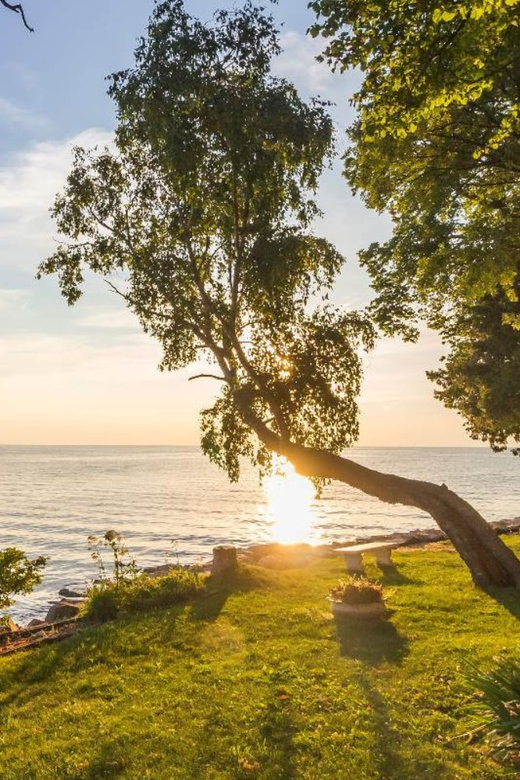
[258, 682]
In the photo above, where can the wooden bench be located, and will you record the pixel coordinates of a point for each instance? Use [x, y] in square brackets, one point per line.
[353, 556]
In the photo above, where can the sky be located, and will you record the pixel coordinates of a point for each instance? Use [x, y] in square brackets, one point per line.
[87, 374]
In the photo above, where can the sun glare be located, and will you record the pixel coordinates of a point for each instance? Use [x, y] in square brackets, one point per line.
[289, 508]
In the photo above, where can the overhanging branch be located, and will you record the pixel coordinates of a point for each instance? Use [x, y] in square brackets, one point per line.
[18, 9]
[207, 376]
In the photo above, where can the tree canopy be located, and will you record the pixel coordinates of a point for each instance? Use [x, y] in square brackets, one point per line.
[206, 207]
[18, 575]
[204, 212]
[436, 143]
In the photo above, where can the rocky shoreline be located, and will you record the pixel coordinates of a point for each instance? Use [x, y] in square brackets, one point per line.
[275, 555]
[61, 619]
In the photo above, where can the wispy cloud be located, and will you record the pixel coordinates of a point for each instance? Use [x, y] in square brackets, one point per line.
[72, 358]
[298, 64]
[71, 389]
[14, 299]
[13, 114]
[102, 317]
[29, 182]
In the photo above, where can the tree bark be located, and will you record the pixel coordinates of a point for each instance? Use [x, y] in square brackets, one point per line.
[489, 560]
[225, 561]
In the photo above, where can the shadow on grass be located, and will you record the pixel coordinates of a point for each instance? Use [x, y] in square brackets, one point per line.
[104, 765]
[509, 598]
[209, 605]
[277, 730]
[387, 738]
[389, 748]
[371, 641]
[392, 576]
[92, 646]
[94, 643]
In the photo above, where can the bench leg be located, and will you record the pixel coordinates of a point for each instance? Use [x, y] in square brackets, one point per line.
[353, 563]
[384, 558]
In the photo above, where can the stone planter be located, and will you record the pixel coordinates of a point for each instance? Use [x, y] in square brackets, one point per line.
[375, 610]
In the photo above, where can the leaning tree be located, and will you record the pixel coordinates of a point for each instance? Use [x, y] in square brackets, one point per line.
[436, 144]
[205, 208]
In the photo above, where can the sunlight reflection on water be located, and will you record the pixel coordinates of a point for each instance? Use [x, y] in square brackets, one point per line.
[289, 513]
[52, 498]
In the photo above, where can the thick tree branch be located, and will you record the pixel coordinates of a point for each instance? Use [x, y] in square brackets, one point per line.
[260, 383]
[18, 9]
[488, 558]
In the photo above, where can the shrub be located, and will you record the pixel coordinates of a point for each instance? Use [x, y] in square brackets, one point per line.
[123, 567]
[18, 575]
[356, 590]
[148, 592]
[142, 593]
[498, 710]
[102, 603]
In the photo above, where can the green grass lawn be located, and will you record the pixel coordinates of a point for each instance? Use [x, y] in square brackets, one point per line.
[259, 683]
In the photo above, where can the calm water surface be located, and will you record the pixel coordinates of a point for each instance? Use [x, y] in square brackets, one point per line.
[171, 500]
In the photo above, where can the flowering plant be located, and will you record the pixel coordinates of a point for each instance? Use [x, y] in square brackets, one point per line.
[356, 590]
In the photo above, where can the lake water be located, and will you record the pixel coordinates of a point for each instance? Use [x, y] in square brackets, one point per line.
[171, 503]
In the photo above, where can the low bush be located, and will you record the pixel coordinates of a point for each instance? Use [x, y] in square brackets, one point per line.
[148, 592]
[18, 575]
[102, 603]
[143, 593]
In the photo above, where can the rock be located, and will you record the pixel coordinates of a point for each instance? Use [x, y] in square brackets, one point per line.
[35, 622]
[71, 594]
[205, 566]
[272, 562]
[292, 560]
[264, 550]
[507, 526]
[61, 611]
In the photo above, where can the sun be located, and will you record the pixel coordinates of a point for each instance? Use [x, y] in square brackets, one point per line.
[290, 499]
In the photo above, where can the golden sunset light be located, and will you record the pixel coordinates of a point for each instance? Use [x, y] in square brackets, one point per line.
[290, 497]
[246, 233]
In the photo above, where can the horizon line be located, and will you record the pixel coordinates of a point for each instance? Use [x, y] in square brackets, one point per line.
[477, 445]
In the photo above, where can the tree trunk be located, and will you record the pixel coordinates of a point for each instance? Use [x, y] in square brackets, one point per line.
[489, 560]
[225, 561]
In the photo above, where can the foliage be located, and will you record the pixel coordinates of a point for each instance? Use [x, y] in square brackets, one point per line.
[437, 145]
[176, 587]
[18, 574]
[215, 687]
[480, 376]
[104, 597]
[499, 705]
[142, 594]
[206, 208]
[356, 590]
[123, 567]
[102, 603]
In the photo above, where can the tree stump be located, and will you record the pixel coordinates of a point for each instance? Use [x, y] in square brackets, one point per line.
[225, 561]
